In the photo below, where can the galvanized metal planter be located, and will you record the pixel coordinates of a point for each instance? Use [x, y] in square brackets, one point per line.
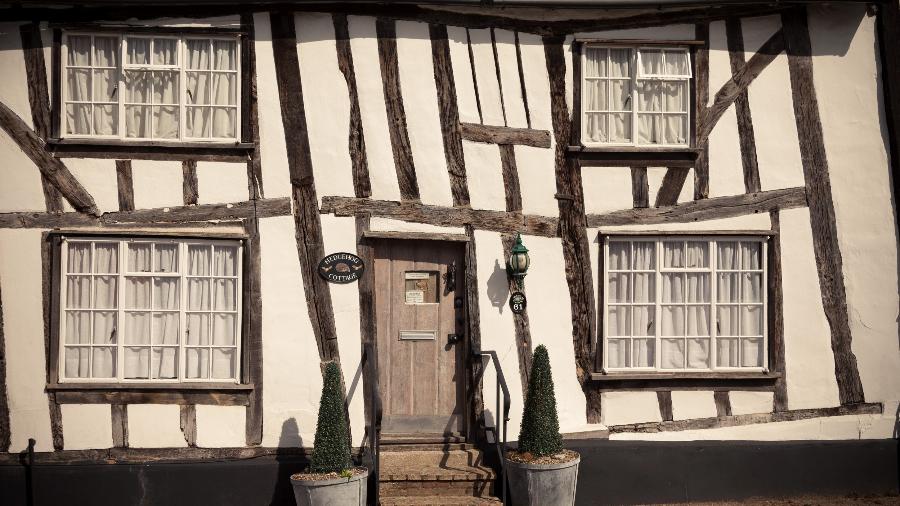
[339, 491]
[542, 484]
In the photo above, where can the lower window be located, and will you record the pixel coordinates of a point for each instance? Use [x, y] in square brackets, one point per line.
[684, 303]
[149, 310]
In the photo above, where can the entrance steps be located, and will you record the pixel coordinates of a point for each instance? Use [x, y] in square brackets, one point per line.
[441, 470]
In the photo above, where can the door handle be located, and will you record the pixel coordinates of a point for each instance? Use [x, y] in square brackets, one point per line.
[453, 338]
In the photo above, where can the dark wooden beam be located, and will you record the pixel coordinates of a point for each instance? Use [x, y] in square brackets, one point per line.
[189, 424]
[39, 100]
[723, 403]
[672, 184]
[735, 39]
[368, 322]
[308, 225]
[49, 311]
[706, 209]
[475, 397]
[414, 212]
[775, 315]
[5, 439]
[739, 420]
[393, 102]
[701, 86]
[126, 455]
[888, 35]
[266, 208]
[449, 114]
[474, 74]
[148, 396]
[252, 332]
[189, 190]
[821, 206]
[250, 120]
[119, 417]
[356, 140]
[664, 398]
[573, 229]
[640, 187]
[521, 325]
[53, 169]
[511, 189]
[125, 184]
[505, 135]
[110, 149]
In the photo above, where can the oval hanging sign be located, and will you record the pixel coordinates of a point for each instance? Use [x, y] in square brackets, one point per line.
[341, 268]
[518, 302]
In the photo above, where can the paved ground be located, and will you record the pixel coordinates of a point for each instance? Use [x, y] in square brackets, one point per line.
[812, 501]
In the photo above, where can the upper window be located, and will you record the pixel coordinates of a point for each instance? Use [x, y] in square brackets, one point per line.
[684, 303]
[142, 310]
[635, 96]
[147, 87]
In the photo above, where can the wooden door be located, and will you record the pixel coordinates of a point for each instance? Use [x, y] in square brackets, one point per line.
[420, 335]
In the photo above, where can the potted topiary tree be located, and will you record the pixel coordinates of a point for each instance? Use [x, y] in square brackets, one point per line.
[331, 479]
[541, 472]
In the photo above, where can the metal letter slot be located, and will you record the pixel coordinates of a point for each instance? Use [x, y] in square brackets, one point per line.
[418, 335]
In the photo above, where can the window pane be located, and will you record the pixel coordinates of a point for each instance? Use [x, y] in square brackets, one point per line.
[595, 95]
[105, 327]
[672, 354]
[621, 95]
[224, 55]
[223, 363]
[198, 260]
[223, 121]
[619, 254]
[696, 287]
[139, 257]
[620, 127]
[677, 63]
[696, 254]
[137, 293]
[651, 62]
[673, 287]
[198, 294]
[106, 119]
[137, 86]
[137, 363]
[697, 320]
[78, 119]
[224, 296]
[79, 258]
[137, 121]
[620, 62]
[727, 255]
[165, 87]
[165, 328]
[728, 288]
[77, 362]
[751, 253]
[137, 328]
[728, 320]
[644, 256]
[698, 353]
[165, 258]
[676, 96]
[197, 87]
[225, 261]
[727, 352]
[79, 50]
[751, 320]
[164, 52]
[643, 352]
[673, 321]
[138, 51]
[106, 52]
[224, 329]
[644, 317]
[197, 363]
[595, 62]
[105, 292]
[619, 323]
[618, 353]
[223, 90]
[644, 287]
[78, 292]
[619, 287]
[78, 327]
[673, 254]
[751, 352]
[197, 329]
[197, 53]
[676, 128]
[197, 122]
[104, 365]
[595, 129]
[751, 287]
[650, 129]
[650, 96]
[165, 363]
[105, 82]
[165, 293]
[165, 122]
[79, 85]
[106, 258]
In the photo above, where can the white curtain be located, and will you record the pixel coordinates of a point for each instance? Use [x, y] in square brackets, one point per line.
[226, 261]
[610, 93]
[78, 85]
[165, 258]
[740, 321]
[209, 86]
[86, 327]
[686, 298]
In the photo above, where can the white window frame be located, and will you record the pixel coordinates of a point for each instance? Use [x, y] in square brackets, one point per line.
[713, 270]
[121, 88]
[636, 76]
[120, 309]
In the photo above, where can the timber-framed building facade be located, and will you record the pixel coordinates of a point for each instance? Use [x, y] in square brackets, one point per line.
[706, 191]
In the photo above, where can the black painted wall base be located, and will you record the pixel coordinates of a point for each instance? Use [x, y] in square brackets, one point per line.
[612, 472]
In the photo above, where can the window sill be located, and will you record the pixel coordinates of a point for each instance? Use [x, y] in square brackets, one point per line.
[150, 150]
[724, 380]
[612, 156]
[224, 394]
[733, 375]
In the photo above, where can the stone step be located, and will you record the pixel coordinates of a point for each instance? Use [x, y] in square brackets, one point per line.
[437, 447]
[450, 465]
[420, 438]
[432, 488]
[439, 500]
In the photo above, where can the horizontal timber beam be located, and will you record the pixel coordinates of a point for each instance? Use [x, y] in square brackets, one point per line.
[263, 208]
[706, 209]
[505, 135]
[151, 455]
[738, 420]
[414, 212]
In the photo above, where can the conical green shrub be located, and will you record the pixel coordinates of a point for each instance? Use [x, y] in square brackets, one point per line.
[539, 433]
[331, 452]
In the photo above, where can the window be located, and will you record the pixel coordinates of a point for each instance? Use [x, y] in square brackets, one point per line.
[684, 303]
[635, 96]
[147, 310]
[142, 87]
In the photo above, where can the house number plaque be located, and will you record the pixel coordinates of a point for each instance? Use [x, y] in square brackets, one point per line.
[518, 302]
[341, 268]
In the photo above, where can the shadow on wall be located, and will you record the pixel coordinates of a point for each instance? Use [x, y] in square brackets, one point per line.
[283, 493]
[498, 286]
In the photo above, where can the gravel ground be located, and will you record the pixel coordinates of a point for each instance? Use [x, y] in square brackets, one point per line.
[811, 501]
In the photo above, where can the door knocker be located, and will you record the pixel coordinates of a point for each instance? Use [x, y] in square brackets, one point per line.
[450, 278]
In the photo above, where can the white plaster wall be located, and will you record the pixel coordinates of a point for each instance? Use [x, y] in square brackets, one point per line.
[157, 184]
[655, 177]
[606, 189]
[273, 153]
[222, 182]
[290, 355]
[726, 174]
[98, 176]
[847, 80]
[620, 408]
[497, 328]
[486, 76]
[389, 225]
[339, 234]
[537, 180]
[513, 103]
[462, 75]
[23, 329]
[327, 105]
[422, 116]
[21, 189]
[14, 93]
[86, 426]
[380, 157]
[809, 361]
[746, 403]
[689, 404]
[484, 173]
[537, 82]
[155, 426]
[220, 426]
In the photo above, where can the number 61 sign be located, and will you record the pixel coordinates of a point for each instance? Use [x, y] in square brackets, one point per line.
[518, 302]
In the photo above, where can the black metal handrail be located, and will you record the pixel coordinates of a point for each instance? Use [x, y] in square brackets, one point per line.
[375, 412]
[501, 417]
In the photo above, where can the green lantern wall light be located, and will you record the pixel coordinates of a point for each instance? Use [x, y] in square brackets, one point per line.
[518, 263]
